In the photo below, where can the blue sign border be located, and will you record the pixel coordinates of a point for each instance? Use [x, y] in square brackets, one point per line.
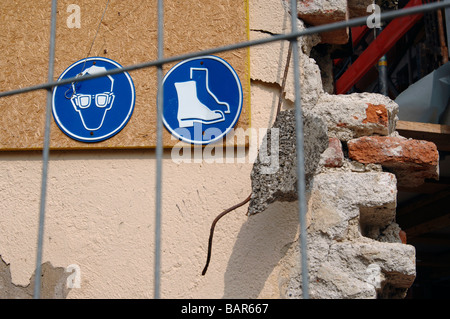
[104, 136]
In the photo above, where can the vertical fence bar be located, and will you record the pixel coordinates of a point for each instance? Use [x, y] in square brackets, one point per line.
[382, 70]
[159, 150]
[300, 155]
[45, 155]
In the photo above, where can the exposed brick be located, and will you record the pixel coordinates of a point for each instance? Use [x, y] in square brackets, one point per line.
[333, 155]
[393, 151]
[411, 160]
[402, 235]
[376, 114]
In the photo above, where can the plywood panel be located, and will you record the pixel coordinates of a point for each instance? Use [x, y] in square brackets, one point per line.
[127, 35]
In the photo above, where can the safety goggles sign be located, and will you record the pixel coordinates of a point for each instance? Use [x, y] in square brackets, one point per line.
[202, 99]
[96, 109]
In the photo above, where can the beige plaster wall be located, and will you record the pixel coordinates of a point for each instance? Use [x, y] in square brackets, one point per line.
[100, 216]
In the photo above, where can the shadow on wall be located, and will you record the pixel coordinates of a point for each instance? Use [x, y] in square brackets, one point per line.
[273, 224]
[261, 243]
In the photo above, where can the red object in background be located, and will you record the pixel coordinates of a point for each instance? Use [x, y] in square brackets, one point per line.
[357, 34]
[379, 47]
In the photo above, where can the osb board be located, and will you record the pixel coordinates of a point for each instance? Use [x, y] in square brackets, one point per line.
[127, 35]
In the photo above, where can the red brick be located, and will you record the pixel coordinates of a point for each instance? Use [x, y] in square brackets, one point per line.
[393, 151]
[402, 236]
[376, 114]
[412, 161]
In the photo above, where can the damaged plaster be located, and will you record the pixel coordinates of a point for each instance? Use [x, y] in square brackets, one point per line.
[53, 283]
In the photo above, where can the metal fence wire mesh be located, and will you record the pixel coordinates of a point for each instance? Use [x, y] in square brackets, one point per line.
[158, 63]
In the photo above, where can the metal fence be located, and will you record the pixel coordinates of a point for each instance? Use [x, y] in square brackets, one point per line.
[158, 63]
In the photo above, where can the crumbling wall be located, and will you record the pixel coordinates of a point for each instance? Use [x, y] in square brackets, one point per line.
[354, 162]
[53, 283]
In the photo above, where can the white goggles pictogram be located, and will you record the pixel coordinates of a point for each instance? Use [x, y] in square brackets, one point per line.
[83, 101]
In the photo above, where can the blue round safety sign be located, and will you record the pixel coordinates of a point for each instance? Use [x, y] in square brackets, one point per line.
[96, 109]
[202, 99]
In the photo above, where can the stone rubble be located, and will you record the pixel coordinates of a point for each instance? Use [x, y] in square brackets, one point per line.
[354, 162]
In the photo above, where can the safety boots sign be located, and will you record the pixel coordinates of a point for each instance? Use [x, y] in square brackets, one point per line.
[202, 100]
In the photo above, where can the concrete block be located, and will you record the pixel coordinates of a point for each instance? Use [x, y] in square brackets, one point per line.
[355, 115]
[361, 269]
[343, 261]
[371, 196]
[270, 185]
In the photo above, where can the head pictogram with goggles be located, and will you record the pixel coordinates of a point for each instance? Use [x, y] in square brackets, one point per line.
[92, 110]
[93, 102]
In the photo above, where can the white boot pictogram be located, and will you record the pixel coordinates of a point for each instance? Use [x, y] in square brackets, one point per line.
[191, 109]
